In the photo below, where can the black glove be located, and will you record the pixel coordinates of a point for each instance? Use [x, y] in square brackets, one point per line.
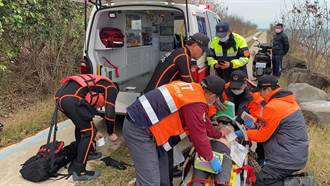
[114, 163]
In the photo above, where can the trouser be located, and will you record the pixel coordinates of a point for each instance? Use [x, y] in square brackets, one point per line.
[225, 74]
[85, 129]
[277, 64]
[271, 176]
[142, 147]
[170, 156]
[223, 178]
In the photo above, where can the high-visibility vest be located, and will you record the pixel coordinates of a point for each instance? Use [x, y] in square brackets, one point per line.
[233, 54]
[89, 80]
[161, 108]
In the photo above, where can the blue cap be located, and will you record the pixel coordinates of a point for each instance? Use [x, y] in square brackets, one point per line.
[222, 27]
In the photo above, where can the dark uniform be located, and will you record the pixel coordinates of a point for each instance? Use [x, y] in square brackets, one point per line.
[280, 48]
[176, 66]
[78, 99]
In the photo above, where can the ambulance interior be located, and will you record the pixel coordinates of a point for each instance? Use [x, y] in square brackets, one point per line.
[149, 34]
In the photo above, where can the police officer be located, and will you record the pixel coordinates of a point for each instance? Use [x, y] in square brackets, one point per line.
[229, 51]
[282, 131]
[159, 119]
[78, 99]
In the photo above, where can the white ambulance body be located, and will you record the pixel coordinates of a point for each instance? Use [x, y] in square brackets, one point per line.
[151, 29]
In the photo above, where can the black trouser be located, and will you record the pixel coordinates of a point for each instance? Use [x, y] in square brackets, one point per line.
[277, 64]
[225, 74]
[270, 176]
[85, 130]
[170, 165]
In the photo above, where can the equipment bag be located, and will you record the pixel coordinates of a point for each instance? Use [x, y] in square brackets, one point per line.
[112, 37]
[50, 157]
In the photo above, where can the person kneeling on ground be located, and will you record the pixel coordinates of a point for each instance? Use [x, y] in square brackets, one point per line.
[159, 119]
[282, 131]
[78, 99]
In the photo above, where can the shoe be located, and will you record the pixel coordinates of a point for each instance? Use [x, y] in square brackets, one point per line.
[87, 175]
[94, 155]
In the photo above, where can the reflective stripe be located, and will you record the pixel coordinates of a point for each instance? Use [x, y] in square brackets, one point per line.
[218, 54]
[232, 54]
[168, 98]
[242, 60]
[167, 146]
[183, 135]
[149, 110]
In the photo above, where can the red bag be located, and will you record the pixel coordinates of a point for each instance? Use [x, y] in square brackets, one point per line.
[112, 37]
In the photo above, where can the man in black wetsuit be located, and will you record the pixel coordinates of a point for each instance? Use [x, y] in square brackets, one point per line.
[78, 99]
[177, 65]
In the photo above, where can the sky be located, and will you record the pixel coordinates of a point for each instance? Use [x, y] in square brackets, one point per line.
[260, 12]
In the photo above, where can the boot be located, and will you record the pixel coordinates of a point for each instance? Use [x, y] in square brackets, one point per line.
[79, 173]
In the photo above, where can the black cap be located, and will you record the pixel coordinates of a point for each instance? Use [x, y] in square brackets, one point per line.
[214, 84]
[237, 79]
[267, 81]
[202, 40]
[222, 27]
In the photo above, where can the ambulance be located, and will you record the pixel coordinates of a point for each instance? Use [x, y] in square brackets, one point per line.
[125, 40]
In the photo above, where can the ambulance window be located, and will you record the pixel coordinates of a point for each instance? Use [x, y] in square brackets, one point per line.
[213, 21]
[179, 33]
[201, 25]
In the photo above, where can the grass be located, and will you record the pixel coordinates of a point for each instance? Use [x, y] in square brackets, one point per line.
[27, 122]
[111, 176]
[319, 154]
[318, 162]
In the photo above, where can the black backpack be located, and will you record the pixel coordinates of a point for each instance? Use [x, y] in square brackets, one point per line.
[50, 157]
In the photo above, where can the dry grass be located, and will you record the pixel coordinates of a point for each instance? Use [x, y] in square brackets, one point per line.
[111, 176]
[27, 122]
[319, 154]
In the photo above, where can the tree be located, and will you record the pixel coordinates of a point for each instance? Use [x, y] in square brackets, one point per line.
[308, 23]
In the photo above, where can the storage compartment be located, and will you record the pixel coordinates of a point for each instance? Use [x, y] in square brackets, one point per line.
[148, 35]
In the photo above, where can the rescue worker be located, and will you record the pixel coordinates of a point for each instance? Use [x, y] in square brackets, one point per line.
[158, 120]
[78, 99]
[282, 131]
[229, 51]
[176, 66]
[239, 91]
[280, 48]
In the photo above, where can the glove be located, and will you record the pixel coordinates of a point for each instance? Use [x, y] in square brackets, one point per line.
[215, 164]
[239, 134]
[249, 124]
[114, 163]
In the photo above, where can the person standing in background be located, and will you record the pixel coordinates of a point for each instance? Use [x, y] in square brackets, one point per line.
[280, 49]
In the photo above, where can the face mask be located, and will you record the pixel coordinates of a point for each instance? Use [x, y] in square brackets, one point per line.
[224, 39]
[237, 92]
[278, 30]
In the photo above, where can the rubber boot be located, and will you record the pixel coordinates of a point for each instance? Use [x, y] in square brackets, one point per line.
[79, 173]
